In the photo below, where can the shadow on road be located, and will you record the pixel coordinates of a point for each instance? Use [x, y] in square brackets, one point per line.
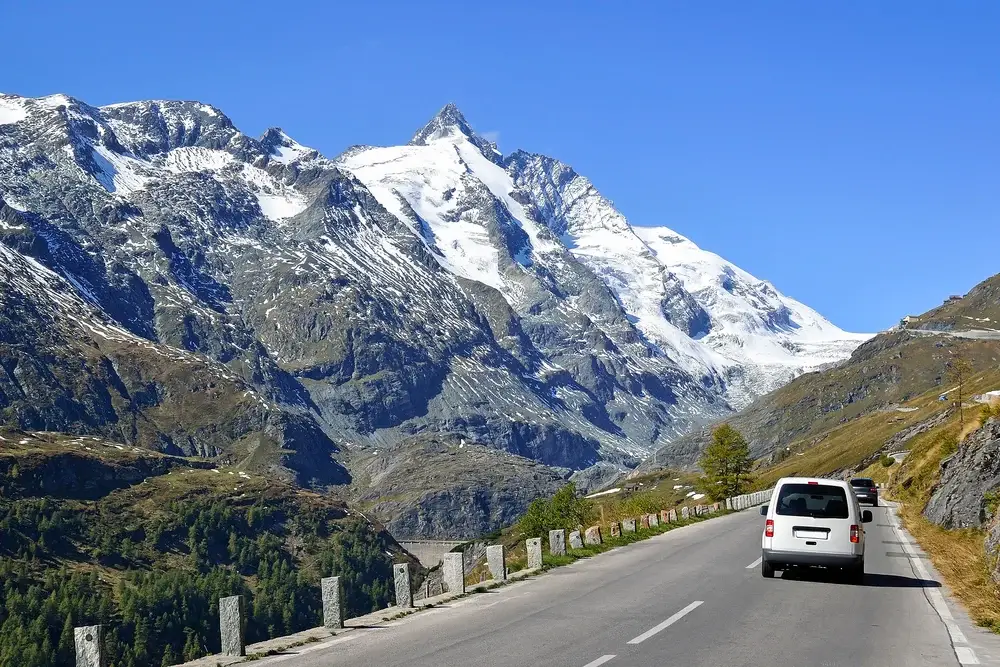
[872, 579]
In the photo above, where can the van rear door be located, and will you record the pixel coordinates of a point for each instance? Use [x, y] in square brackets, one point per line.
[812, 517]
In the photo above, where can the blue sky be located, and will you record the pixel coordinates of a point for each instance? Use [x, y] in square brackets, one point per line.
[849, 152]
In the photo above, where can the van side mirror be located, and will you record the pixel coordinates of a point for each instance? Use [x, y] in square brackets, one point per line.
[866, 516]
[763, 510]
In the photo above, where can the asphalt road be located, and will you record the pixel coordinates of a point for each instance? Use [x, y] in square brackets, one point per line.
[691, 597]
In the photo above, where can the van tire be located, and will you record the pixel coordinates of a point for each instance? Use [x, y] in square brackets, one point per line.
[857, 573]
[766, 570]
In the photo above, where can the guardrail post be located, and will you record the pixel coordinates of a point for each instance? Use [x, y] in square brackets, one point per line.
[453, 569]
[495, 561]
[231, 619]
[89, 641]
[333, 602]
[401, 580]
[557, 542]
[534, 546]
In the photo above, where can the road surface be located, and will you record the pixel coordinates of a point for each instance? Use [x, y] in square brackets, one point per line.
[693, 597]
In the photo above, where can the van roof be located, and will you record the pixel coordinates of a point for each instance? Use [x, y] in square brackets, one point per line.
[806, 480]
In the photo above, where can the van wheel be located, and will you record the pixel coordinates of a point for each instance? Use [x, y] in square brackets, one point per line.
[857, 574]
[766, 570]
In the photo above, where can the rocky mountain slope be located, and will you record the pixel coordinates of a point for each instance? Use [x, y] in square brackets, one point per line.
[173, 283]
[891, 368]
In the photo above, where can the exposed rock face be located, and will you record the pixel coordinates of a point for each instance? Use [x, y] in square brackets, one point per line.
[444, 489]
[174, 284]
[960, 499]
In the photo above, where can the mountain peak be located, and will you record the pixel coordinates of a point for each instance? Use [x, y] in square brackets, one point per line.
[448, 124]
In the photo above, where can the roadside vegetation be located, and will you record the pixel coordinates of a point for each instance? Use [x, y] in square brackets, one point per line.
[726, 464]
[151, 559]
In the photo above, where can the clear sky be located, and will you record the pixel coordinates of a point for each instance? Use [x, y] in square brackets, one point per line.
[847, 151]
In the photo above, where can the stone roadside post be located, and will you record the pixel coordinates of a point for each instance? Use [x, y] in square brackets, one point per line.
[534, 547]
[644, 521]
[401, 579]
[231, 616]
[89, 641]
[664, 516]
[575, 541]
[496, 562]
[672, 516]
[685, 513]
[593, 535]
[333, 603]
[654, 520]
[454, 572]
[628, 526]
[616, 529]
[557, 542]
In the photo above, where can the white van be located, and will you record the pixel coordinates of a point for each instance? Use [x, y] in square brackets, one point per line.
[814, 522]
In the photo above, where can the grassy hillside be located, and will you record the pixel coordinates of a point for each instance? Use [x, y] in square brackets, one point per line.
[890, 370]
[97, 532]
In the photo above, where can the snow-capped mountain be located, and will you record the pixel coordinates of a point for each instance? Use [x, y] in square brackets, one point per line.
[338, 305]
[713, 319]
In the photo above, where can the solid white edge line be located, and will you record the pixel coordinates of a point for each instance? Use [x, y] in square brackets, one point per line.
[600, 661]
[965, 655]
[667, 623]
[755, 563]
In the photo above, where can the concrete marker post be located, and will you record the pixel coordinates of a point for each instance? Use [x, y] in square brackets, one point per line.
[628, 526]
[454, 572]
[232, 614]
[575, 540]
[496, 562]
[534, 546]
[593, 536]
[401, 581]
[557, 542]
[89, 644]
[333, 602]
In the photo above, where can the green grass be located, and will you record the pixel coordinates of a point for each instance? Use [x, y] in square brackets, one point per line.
[847, 445]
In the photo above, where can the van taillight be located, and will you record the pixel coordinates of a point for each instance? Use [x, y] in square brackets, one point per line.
[769, 528]
[855, 534]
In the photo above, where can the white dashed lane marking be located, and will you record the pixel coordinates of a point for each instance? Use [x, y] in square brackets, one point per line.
[600, 661]
[667, 623]
[755, 563]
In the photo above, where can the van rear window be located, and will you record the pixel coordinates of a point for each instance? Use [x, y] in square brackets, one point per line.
[819, 501]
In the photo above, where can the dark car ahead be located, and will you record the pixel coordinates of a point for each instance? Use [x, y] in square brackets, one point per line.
[866, 490]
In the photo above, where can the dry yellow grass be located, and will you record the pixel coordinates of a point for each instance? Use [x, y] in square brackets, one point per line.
[960, 557]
